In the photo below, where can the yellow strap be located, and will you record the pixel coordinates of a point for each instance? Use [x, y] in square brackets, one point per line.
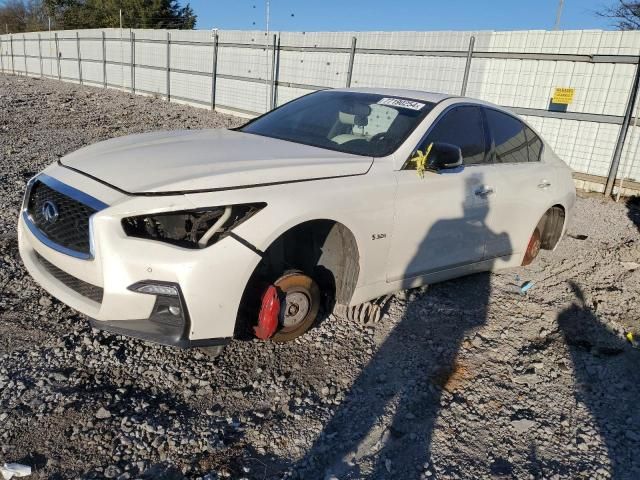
[421, 160]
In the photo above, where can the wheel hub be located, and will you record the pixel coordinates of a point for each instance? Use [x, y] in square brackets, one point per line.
[534, 249]
[296, 308]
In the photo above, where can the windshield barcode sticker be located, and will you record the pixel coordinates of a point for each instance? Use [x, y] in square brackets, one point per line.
[401, 103]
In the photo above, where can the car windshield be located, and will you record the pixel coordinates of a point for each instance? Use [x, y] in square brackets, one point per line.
[359, 123]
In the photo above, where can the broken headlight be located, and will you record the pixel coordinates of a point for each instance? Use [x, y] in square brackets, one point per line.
[190, 228]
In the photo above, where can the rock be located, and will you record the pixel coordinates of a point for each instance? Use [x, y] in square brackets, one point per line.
[630, 265]
[102, 413]
[111, 471]
[527, 379]
[522, 426]
[45, 301]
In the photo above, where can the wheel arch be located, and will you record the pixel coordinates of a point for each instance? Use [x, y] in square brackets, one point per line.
[321, 242]
[552, 225]
[326, 249]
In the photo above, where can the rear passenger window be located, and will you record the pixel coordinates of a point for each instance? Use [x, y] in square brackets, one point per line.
[535, 145]
[463, 127]
[508, 136]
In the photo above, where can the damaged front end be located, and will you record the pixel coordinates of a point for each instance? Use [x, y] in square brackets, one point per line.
[190, 228]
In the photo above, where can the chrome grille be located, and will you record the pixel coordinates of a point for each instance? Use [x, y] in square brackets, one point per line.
[70, 228]
[80, 286]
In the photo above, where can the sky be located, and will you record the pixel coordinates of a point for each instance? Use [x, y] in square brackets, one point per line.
[390, 15]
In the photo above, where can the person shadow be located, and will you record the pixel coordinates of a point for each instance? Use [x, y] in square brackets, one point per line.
[608, 382]
[633, 210]
[384, 427]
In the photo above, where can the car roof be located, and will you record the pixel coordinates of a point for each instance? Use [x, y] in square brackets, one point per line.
[401, 92]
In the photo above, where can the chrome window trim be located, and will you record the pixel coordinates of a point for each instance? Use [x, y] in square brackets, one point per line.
[448, 108]
[70, 192]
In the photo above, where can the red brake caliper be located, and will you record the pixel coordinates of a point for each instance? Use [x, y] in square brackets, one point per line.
[269, 313]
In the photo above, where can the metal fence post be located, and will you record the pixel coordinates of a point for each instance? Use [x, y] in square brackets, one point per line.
[104, 61]
[617, 154]
[273, 73]
[24, 52]
[467, 67]
[132, 40]
[58, 55]
[352, 57]
[40, 54]
[1, 57]
[276, 69]
[214, 70]
[168, 89]
[79, 57]
[13, 65]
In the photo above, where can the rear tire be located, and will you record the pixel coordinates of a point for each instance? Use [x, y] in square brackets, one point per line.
[300, 305]
[533, 248]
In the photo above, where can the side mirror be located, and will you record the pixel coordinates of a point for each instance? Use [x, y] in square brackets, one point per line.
[444, 156]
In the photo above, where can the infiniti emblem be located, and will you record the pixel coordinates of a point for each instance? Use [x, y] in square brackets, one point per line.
[50, 211]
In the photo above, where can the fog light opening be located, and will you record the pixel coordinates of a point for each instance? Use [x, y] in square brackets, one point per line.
[169, 309]
[155, 289]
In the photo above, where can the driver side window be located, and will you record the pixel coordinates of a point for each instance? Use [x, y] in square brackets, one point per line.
[463, 127]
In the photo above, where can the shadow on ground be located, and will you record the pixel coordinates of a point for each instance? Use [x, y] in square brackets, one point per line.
[633, 210]
[405, 378]
[607, 378]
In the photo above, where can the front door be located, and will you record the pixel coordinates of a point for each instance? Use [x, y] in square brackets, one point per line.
[440, 219]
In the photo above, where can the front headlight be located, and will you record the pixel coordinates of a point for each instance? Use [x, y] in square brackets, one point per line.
[190, 228]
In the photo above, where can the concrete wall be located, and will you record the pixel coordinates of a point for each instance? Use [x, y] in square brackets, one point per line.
[516, 69]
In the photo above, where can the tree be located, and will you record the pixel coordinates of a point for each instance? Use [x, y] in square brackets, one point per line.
[21, 16]
[30, 15]
[626, 14]
[76, 14]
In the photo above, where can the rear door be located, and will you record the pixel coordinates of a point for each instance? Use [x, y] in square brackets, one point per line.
[439, 219]
[524, 183]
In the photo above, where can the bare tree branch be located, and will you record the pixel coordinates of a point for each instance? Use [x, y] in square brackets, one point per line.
[626, 14]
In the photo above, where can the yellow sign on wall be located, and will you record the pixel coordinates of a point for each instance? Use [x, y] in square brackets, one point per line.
[563, 96]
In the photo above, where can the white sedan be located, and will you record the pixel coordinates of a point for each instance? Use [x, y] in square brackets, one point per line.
[190, 238]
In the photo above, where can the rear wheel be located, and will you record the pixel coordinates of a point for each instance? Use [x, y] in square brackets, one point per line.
[533, 248]
[300, 303]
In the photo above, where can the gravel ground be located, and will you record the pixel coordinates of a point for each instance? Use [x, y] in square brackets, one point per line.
[468, 379]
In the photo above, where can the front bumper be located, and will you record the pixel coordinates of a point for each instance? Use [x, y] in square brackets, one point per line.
[155, 332]
[211, 280]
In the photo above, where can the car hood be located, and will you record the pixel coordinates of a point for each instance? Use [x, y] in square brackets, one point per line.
[195, 160]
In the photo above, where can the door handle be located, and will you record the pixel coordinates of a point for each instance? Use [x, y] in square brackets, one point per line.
[485, 191]
[544, 184]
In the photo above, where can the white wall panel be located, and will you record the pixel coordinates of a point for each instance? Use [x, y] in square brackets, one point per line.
[190, 86]
[315, 68]
[92, 72]
[249, 96]
[153, 81]
[151, 54]
[600, 88]
[197, 58]
[245, 62]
